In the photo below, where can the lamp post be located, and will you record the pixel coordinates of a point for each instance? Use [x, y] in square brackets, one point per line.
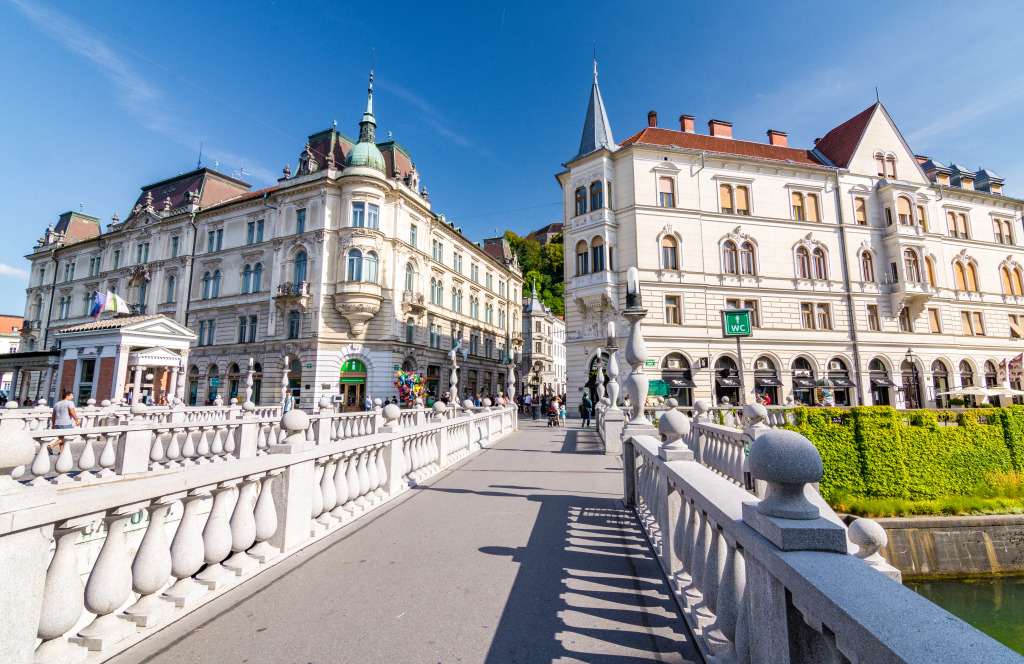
[914, 383]
[613, 369]
[636, 350]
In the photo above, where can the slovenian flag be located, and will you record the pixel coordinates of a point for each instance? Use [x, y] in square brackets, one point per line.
[98, 304]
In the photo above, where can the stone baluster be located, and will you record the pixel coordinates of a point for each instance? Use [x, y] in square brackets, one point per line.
[713, 568]
[364, 479]
[63, 599]
[65, 463]
[243, 528]
[156, 451]
[41, 464]
[730, 601]
[188, 448]
[340, 486]
[108, 456]
[173, 449]
[87, 459]
[217, 443]
[700, 554]
[371, 472]
[187, 552]
[317, 502]
[382, 474]
[329, 493]
[217, 537]
[265, 517]
[152, 567]
[109, 586]
[352, 480]
[681, 542]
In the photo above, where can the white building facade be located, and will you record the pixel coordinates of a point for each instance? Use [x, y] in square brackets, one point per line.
[890, 275]
[543, 358]
[330, 281]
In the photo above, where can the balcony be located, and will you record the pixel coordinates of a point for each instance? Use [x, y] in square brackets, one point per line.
[357, 302]
[599, 279]
[914, 296]
[898, 233]
[293, 295]
[31, 325]
[413, 303]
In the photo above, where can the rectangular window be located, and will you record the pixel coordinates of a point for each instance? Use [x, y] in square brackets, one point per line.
[252, 329]
[202, 333]
[972, 323]
[358, 215]
[243, 325]
[874, 324]
[894, 273]
[1016, 326]
[88, 372]
[1003, 231]
[979, 326]
[888, 216]
[860, 211]
[672, 309]
[259, 231]
[250, 233]
[300, 221]
[501, 289]
[211, 326]
[174, 246]
[372, 216]
[824, 317]
[807, 315]
[666, 192]
[906, 324]
[412, 235]
[457, 262]
[211, 241]
[117, 258]
[921, 218]
[812, 207]
[220, 238]
[474, 273]
[933, 321]
[755, 316]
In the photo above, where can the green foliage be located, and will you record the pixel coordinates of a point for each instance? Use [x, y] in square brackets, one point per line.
[543, 262]
[946, 505]
[876, 452]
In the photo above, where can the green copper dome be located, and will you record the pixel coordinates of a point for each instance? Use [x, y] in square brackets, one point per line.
[365, 152]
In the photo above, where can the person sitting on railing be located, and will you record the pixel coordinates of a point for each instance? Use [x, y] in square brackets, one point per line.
[64, 417]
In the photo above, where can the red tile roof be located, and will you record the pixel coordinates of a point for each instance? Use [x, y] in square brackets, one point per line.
[9, 324]
[77, 227]
[238, 199]
[838, 145]
[717, 144]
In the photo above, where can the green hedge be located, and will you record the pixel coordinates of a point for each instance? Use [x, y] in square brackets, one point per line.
[875, 451]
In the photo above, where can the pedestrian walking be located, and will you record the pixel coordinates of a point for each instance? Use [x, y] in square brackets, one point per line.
[585, 407]
[64, 417]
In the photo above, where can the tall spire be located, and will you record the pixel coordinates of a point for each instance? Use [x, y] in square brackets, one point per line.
[597, 131]
[365, 152]
[368, 124]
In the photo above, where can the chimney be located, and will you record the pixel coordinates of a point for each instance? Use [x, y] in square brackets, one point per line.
[686, 124]
[777, 138]
[652, 118]
[720, 128]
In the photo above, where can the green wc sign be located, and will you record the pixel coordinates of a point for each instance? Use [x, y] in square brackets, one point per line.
[736, 323]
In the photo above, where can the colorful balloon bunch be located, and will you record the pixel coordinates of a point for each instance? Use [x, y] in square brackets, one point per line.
[410, 386]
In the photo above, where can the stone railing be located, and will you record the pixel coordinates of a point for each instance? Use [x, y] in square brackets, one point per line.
[172, 515]
[773, 580]
[38, 417]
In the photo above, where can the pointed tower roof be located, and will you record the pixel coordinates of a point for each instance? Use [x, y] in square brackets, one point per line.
[597, 132]
[534, 304]
[365, 152]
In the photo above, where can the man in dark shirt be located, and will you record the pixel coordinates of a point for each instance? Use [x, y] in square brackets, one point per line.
[585, 407]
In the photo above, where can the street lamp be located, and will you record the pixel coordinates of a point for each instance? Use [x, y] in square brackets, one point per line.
[913, 388]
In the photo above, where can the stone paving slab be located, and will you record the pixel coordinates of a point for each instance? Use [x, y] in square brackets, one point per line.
[522, 553]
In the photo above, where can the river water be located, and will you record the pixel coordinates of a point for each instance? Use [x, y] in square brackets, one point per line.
[995, 605]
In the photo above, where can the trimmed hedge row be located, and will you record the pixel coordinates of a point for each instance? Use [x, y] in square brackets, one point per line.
[875, 451]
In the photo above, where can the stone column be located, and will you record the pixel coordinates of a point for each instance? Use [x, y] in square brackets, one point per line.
[46, 385]
[172, 387]
[15, 377]
[120, 373]
[137, 383]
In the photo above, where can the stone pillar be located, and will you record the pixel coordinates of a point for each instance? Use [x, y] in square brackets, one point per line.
[120, 373]
[15, 377]
[47, 380]
[172, 387]
[137, 384]
[293, 490]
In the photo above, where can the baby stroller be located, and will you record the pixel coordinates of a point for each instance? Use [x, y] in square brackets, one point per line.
[553, 417]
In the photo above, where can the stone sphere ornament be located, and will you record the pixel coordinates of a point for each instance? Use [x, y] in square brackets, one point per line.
[295, 420]
[324, 403]
[392, 412]
[870, 537]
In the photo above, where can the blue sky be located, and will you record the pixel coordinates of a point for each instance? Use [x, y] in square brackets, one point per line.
[102, 98]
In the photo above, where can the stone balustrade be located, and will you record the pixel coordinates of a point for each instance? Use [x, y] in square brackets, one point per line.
[38, 417]
[773, 580]
[173, 514]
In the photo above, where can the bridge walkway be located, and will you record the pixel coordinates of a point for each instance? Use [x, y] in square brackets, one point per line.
[522, 553]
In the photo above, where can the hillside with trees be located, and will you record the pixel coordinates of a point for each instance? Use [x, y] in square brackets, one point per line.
[545, 263]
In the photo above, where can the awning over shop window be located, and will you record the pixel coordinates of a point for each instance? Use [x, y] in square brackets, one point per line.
[767, 381]
[728, 381]
[803, 383]
[678, 379]
[882, 381]
[842, 381]
[657, 388]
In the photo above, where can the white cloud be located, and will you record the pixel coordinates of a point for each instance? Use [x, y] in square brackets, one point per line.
[10, 271]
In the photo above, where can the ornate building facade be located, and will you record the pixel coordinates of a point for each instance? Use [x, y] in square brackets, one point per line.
[543, 360]
[883, 276]
[330, 281]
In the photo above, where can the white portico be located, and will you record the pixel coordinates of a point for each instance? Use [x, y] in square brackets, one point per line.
[109, 358]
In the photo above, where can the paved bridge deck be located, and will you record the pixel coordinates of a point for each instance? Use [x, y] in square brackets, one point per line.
[521, 553]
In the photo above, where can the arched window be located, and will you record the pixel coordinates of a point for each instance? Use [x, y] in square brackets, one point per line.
[819, 264]
[940, 381]
[206, 286]
[1007, 281]
[215, 284]
[929, 269]
[582, 258]
[747, 265]
[803, 263]
[581, 201]
[812, 208]
[742, 201]
[912, 265]
[355, 265]
[867, 267]
[1018, 282]
[972, 277]
[212, 382]
[725, 198]
[87, 304]
[880, 164]
[890, 162]
[597, 254]
[596, 195]
[170, 289]
[960, 273]
[246, 279]
[966, 374]
[991, 374]
[257, 278]
[798, 206]
[906, 216]
[371, 263]
[410, 330]
[300, 267]
[433, 290]
[410, 276]
[669, 253]
[730, 262]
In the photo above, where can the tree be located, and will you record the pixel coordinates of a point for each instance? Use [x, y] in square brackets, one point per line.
[545, 264]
